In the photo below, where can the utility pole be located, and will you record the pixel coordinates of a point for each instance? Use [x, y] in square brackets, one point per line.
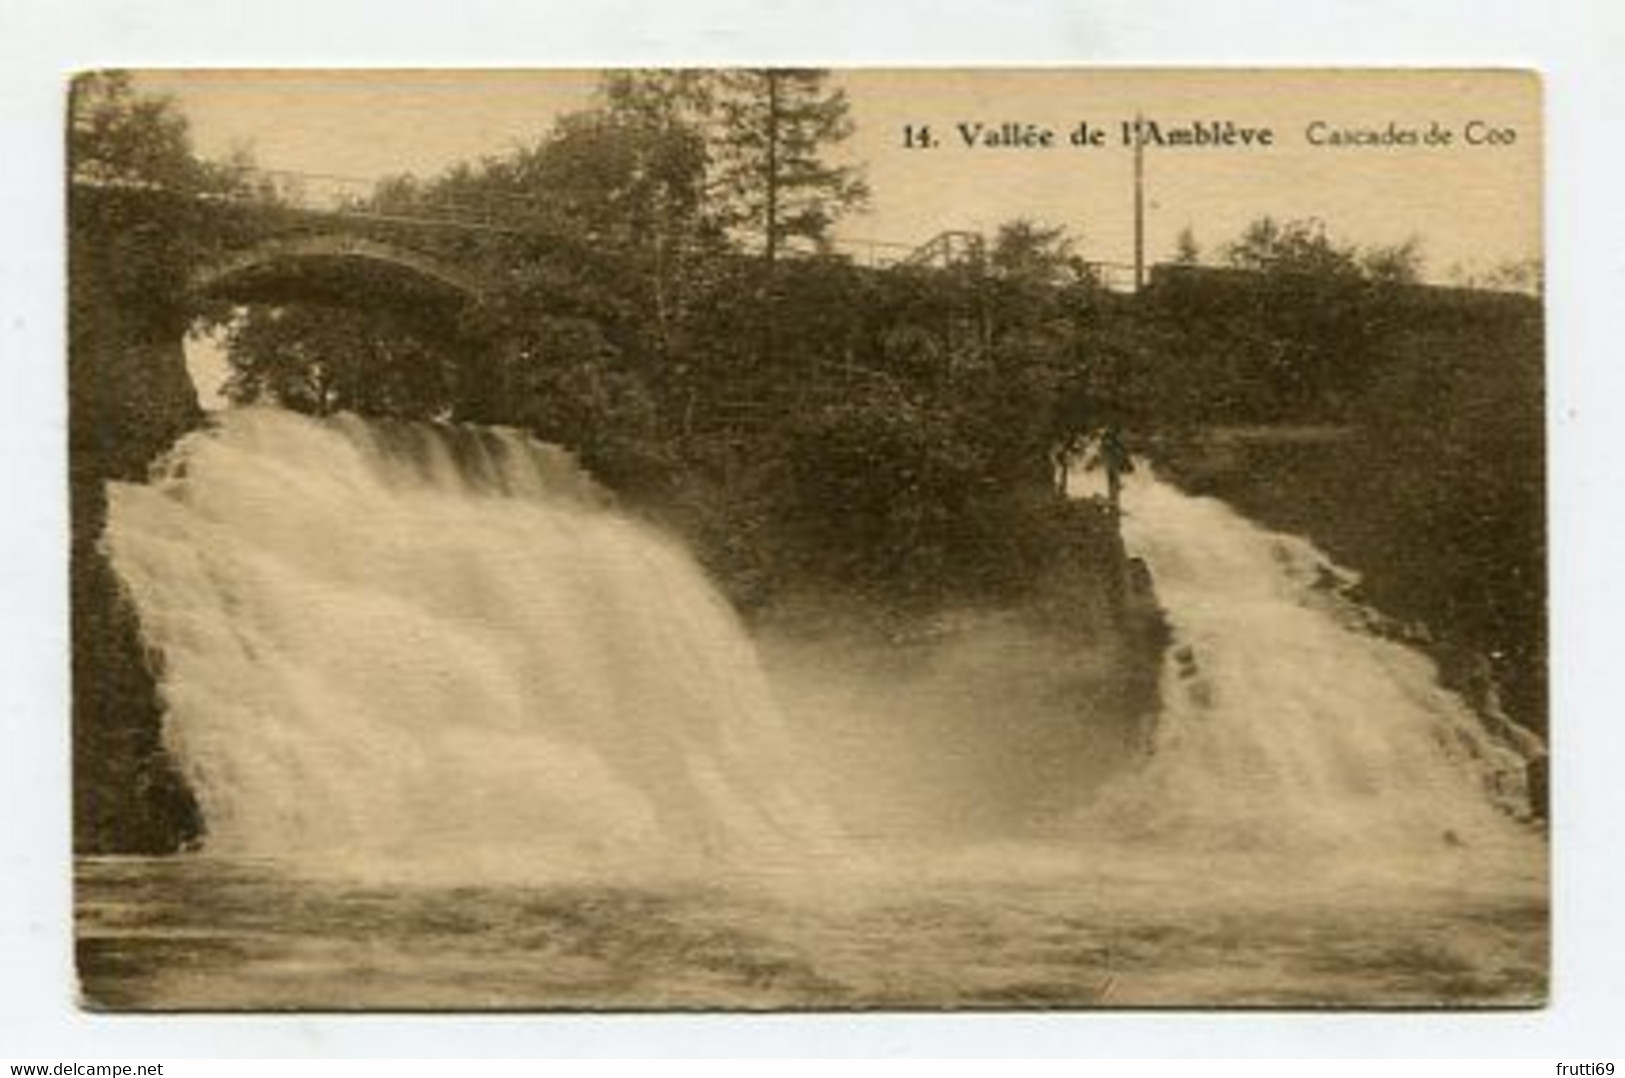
[772, 212]
[771, 249]
[1139, 202]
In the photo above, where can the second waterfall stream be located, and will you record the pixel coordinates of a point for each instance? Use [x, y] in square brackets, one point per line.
[1292, 734]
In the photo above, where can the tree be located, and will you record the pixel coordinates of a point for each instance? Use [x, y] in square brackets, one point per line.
[609, 218]
[1186, 251]
[1304, 247]
[1292, 247]
[773, 126]
[1036, 254]
[1527, 275]
[1043, 297]
[1399, 263]
[631, 172]
[318, 359]
[768, 174]
[117, 137]
[1300, 338]
[141, 203]
[655, 122]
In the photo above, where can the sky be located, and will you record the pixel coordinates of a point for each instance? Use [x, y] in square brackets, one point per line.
[1471, 206]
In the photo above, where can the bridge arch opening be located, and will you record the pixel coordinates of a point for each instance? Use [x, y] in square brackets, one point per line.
[339, 269]
[326, 322]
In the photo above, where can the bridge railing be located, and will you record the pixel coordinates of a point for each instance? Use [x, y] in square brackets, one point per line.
[331, 196]
[352, 196]
[359, 198]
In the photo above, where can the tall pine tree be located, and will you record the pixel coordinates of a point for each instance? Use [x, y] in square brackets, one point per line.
[770, 179]
[774, 127]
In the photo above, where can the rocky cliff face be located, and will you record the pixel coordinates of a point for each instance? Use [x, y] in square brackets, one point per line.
[129, 400]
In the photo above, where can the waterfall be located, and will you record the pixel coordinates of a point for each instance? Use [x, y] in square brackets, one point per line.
[438, 651]
[420, 648]
[1288, 727]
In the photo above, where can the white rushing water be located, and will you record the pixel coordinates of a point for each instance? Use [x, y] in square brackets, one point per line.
[409, 648]
[1293, 735]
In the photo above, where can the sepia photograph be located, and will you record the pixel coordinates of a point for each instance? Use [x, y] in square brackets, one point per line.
[807, 539]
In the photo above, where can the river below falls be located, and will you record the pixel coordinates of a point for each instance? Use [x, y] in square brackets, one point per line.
[194, 933]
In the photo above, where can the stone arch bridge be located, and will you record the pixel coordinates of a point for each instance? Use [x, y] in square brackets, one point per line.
[330, 265]
[130, 391]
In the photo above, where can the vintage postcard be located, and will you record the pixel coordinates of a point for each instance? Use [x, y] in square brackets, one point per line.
[802, 539]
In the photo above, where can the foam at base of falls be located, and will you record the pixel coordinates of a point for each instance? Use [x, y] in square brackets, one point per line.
[415, 647]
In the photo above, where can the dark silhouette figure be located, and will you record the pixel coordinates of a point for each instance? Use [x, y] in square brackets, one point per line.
[1115, 458]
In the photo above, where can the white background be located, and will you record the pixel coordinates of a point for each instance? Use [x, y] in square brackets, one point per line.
[1575, 43]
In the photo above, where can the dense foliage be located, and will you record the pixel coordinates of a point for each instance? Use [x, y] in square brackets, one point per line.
[1284, 330]
[141, 203]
